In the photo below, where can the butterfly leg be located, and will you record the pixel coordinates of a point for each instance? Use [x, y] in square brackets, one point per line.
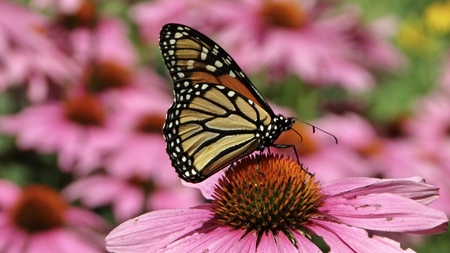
[257, 164]
[283, 146]
[296, 154]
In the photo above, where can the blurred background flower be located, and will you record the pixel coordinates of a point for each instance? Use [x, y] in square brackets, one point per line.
[84, 93]
[38, 219]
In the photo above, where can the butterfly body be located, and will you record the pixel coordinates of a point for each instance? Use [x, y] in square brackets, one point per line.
[217, 115]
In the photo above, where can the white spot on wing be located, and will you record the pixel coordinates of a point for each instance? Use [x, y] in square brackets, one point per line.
[211, 68]
[190, 64]
[203, 56]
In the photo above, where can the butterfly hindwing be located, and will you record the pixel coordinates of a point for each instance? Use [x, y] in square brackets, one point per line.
[211, 129]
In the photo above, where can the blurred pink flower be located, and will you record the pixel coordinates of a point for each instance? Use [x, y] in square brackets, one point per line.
[301, 38]
[139, 176]
[107, 42]
[131, 197]
[245, 216]
[28, 55]
[37, 219]
[64, 6]
[430, 126]
[100, 44]
[284, 36]
[78, 130]
[370, 43]
[139, 113]
[152, 15]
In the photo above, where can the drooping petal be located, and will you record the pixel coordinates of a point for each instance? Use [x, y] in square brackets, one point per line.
[414, 188]
[343, 238]
[384, 212]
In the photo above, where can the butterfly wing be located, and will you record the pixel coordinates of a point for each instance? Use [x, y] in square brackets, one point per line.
[192, 56]
[216, 113]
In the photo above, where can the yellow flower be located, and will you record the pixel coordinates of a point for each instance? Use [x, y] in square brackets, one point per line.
[412, 36]
[437, 17]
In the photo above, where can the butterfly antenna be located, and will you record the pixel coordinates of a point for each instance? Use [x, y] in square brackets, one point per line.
[320, 129]
[299, 134]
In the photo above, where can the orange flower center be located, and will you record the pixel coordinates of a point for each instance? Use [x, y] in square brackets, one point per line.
[287, 14]
[85, 110]
[39, 208]
[150, 123]
[372, 148]
[105, 75]
[85, 16]
[266, 193]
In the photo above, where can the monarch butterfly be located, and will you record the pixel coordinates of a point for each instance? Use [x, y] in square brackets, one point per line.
[217, 115]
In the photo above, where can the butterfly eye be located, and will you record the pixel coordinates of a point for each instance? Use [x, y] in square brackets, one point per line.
[218, 116]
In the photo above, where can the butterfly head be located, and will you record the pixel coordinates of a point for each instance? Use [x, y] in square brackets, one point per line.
[271, 133]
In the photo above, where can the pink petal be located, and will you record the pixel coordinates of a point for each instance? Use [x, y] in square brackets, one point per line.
[105, 188]
[152, 231]
[61, 241]
[11, 239]
[207, 187]
[9, 193]
[84, 219]
[384, 212]
[303, 244]
[343, 238]
[129, 203]
[413, 188]
[217, 239]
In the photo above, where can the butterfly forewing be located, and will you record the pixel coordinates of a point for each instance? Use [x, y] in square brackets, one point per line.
[193, 56]
[217, 116]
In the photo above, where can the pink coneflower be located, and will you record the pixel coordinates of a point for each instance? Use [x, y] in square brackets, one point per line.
[132, 196]
[78, 130]
[434, 135]
[37, 219]
[70, 14]
[370, 43]
[107, 42]
[271, 204]
[139, 114]
[28, 55]
[63, 6]
[305, 38]
[138, 176]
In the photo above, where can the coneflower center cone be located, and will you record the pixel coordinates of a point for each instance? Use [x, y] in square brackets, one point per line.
[286, 14]
[85, 110]
[39, 208]
[266, 194]
[150, 123]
